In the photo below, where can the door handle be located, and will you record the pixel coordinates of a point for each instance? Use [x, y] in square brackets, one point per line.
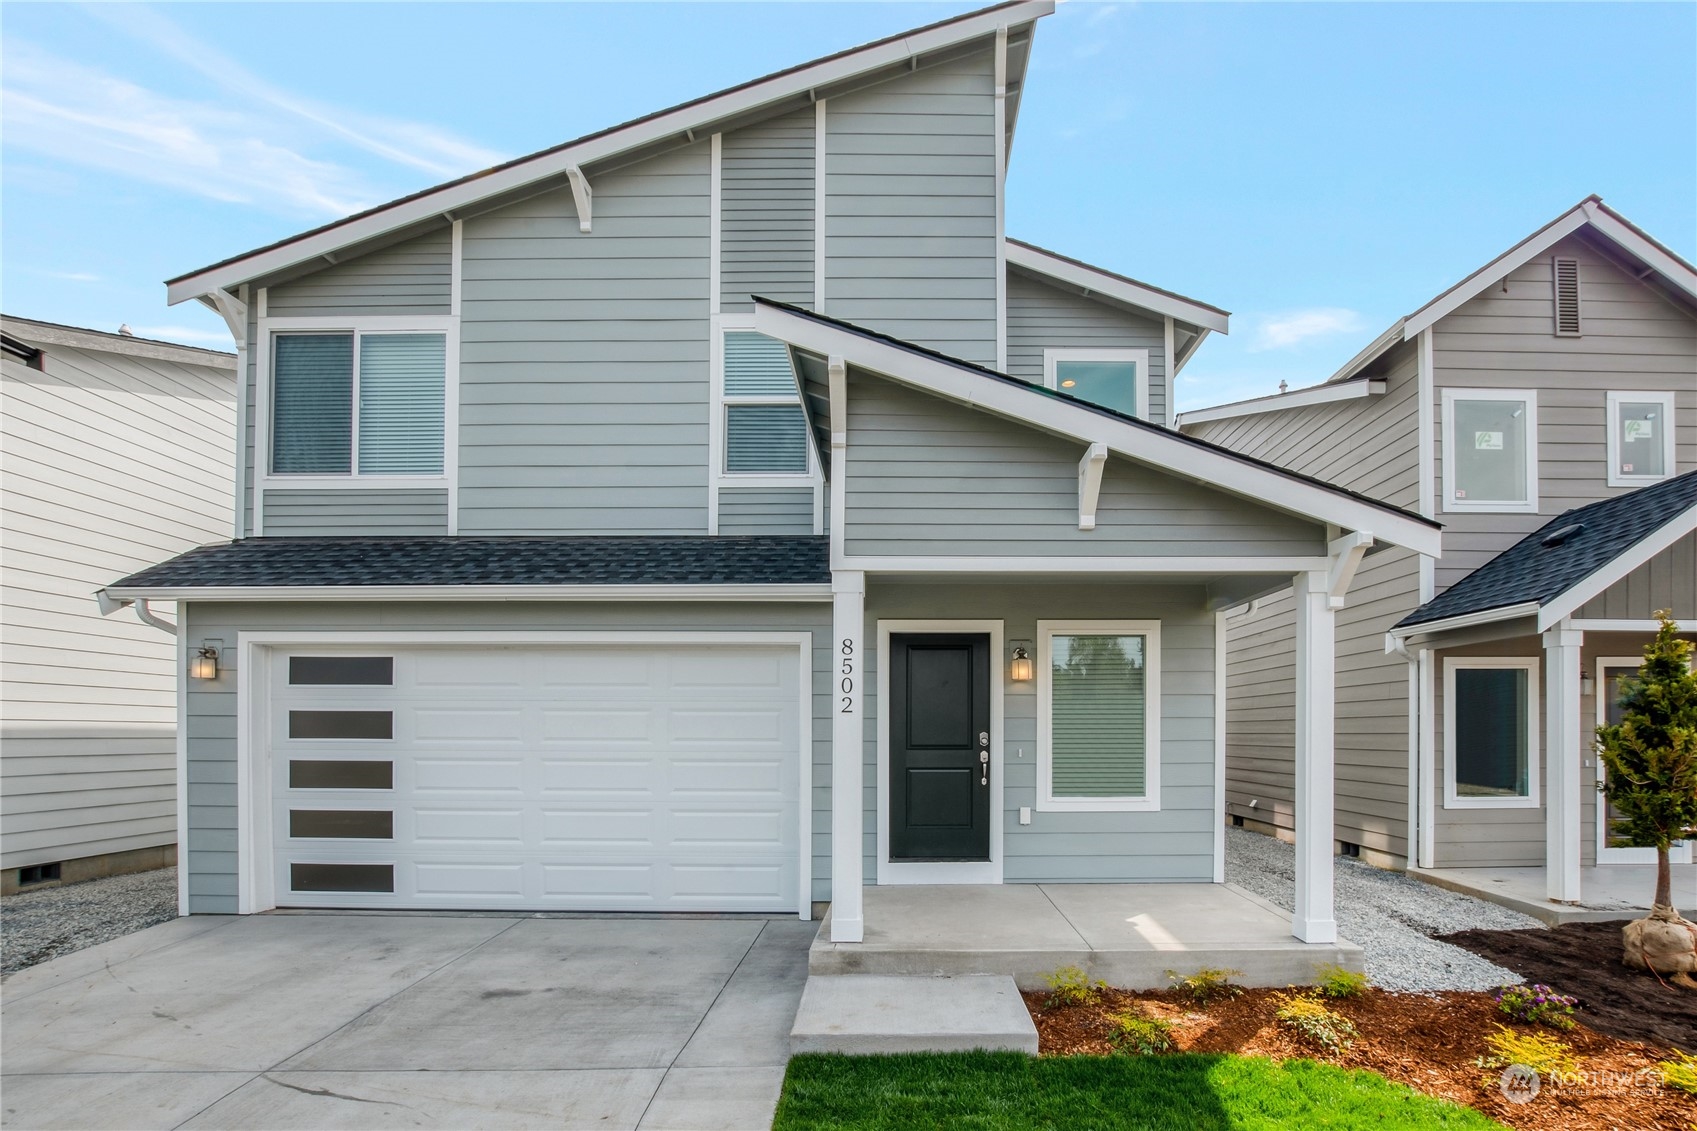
[983, 767]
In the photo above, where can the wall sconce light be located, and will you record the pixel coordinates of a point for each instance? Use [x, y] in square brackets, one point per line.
[205, 664]
[1020, 669]
[1587, 684]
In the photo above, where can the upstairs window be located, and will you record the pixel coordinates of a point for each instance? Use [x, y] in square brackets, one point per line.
[1490, 450]
[765, 428]
[358, 403]
[1116, 379]
[1640, 438]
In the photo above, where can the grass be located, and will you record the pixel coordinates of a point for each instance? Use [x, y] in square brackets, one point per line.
[981, 1091]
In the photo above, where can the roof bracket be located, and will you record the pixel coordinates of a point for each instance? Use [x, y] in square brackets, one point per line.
[1090, 483]
[1345, 554]
[233, 310]
[836, 370]
[582, 199]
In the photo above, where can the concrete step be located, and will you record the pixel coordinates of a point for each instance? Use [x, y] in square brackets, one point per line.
[870, 1013]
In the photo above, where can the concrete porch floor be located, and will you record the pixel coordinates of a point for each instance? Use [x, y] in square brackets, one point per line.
[1608, 891]
[1128, 935]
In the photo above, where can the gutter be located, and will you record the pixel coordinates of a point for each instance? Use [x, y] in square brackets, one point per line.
[110, 604]
[116, 596]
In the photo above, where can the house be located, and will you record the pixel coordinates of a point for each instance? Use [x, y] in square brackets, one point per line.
[718, 513]
[118, 451]
[1544, 410]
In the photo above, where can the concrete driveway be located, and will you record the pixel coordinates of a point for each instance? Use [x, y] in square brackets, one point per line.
[354, 1021]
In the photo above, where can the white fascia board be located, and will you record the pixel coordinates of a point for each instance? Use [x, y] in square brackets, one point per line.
[452, 197]
[1369, 354]
[1616, 568]
[1465, 620]
[388, 593]
[1152, 446]
[1675, 270]
[1299, 398]
[1104, 283]
[1540, 241]
[1153, 564]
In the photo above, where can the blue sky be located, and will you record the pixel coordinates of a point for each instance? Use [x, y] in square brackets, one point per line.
[1317, 169]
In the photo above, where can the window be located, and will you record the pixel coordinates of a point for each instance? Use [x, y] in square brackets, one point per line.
[1490, 733]
[1098, 696]
[1490, 450]
[1640, 438]
[765, 429]
[1116, 379]
[358, 403]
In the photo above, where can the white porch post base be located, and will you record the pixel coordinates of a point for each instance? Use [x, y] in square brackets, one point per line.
[848, 755]
[1316, 634]
[1562, 759]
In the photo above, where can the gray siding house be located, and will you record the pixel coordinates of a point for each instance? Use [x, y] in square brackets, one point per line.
[719, 513]
[1532, 409]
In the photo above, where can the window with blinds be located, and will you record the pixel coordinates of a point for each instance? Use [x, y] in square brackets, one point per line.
[378, 397]
[1098, 721]
[765, 427]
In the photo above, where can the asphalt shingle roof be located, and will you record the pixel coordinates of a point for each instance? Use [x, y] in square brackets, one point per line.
[582, 560]
[1532, 571]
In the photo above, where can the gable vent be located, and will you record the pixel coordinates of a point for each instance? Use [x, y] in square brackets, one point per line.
[1567, 297]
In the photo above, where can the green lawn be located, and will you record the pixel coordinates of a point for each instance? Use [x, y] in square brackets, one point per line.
[1013, 1092]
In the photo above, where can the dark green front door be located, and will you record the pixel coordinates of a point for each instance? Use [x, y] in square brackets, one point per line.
[939, 747]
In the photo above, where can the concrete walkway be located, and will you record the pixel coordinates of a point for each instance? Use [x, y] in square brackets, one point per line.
[355, 1021]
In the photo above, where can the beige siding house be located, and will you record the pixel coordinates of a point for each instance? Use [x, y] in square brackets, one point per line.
[1552, 382]
[117, 451]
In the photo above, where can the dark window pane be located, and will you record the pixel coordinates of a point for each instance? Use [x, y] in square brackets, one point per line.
[313, 774]
[342, 877]
[346, 671]
[1111, 384]
[360, 824]
[312, 384]
[341, 724]
[1491, 745]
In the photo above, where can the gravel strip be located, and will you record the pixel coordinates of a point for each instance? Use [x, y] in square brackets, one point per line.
[1390, 915]
[38, 925]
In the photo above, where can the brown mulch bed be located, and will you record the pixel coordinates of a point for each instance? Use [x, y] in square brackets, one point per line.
[1429, 1042]
[1583, 960]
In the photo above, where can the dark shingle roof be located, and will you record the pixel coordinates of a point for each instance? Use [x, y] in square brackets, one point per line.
[311, 562]
[1530, 570]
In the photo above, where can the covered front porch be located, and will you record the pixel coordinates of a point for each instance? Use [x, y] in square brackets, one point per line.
[1607, 891]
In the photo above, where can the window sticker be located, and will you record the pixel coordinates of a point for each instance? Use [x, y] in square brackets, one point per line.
[1639, 430]
[1487, 441]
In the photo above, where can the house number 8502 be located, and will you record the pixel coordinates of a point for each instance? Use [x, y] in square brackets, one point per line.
[846, 683]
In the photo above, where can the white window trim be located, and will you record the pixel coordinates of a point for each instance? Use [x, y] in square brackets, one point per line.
[1534, 740]
[1615, 399]
[1529, 398]
[1682, 850]
[718, 477]
[1047, 802]
[1053, 357]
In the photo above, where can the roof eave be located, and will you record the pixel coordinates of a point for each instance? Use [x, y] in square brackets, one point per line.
[683, 591]
[1040, 261]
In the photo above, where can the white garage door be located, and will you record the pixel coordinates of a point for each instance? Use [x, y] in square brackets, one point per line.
[651, 777]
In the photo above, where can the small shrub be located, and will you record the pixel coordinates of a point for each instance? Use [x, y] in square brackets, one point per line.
[1537, 1005]
[1336, 982]
[1071, 986]
[1206, 984]
[1545, 1055]
[1310, 1017]
[1136, 1033]
[1680, 1072]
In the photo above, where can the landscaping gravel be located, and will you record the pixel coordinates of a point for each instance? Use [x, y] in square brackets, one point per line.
[38, 925]
[1391, 916]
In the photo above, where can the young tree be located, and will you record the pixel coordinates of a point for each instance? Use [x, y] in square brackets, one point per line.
[1651, 755]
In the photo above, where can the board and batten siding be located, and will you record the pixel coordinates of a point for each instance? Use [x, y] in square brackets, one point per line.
[212, 718]
[412, 277]
[1175, 844]
[766, 510]
[584, 358]
[350, 512]
[113, 462]
[1667, 581]
[927, 477]
[1043, 317]
[910, 224]
[1634, 340]
[766, 212]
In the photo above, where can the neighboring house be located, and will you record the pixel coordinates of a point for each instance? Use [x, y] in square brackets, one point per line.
[572, 575]
[1542, 410]
[117, 450]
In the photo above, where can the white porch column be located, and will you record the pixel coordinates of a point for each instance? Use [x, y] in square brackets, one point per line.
[848, 752]
[1562, 744]
[1316, 635]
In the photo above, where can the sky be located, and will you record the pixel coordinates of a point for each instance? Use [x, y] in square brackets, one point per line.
[1317, 169]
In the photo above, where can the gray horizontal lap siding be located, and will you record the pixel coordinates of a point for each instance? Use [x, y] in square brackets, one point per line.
[583, 366]
[348, 512]
[766, 210]
[1506, 838]
[910, 228]
[213, 836]
[766, 510]
[1043, 317]
[414, 277]
[927, 477]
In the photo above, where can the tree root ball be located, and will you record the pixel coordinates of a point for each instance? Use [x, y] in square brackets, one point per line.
[1663, 942]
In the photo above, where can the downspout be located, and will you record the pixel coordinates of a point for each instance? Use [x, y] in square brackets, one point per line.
[110, 605]
[1416, 854]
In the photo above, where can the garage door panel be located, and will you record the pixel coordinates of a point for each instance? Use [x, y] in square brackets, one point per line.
[706, 726]
[441, 726]
[433, 775]
[588, 726]
[726, 828]
[447, 671]
[728, 670]
[615, 885]
[726, 777]
[435, 828]
[598, 829]
[755, 883]
[584, 779]
[605, 669]
[458, 881]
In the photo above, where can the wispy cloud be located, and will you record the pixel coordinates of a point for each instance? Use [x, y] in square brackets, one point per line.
[75, 276]
[219, 338]
[1282, 331]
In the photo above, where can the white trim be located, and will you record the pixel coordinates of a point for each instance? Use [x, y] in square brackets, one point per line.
[726, 592]
[239, 520]
[1156, 447]
[1059, 564]
[1221, 696]
[1001, 158]
[1528, 505]
[1615, 399]
[180, 650]
[456, 266]
[1052, 359]
[255, 889]
[1426, 851]
[947, 872]
[1411, 838]
[1681, 851]
[1168, 377]
[1314, 793]
[1534, 744]
[1564, 754]
[264, 301]
[717, 477]
[1425, 388]
[1150, 802]
[715, 223]
[1296, 398]
[1628, 625]
[1618, 567]
[836, 373]
[1128, 291]
[846, 703]
[1466, 620]
[372, 323]
[820, 133]
[1090, 484]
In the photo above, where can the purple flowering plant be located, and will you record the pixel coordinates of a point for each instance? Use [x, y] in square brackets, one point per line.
[1537, 1005]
